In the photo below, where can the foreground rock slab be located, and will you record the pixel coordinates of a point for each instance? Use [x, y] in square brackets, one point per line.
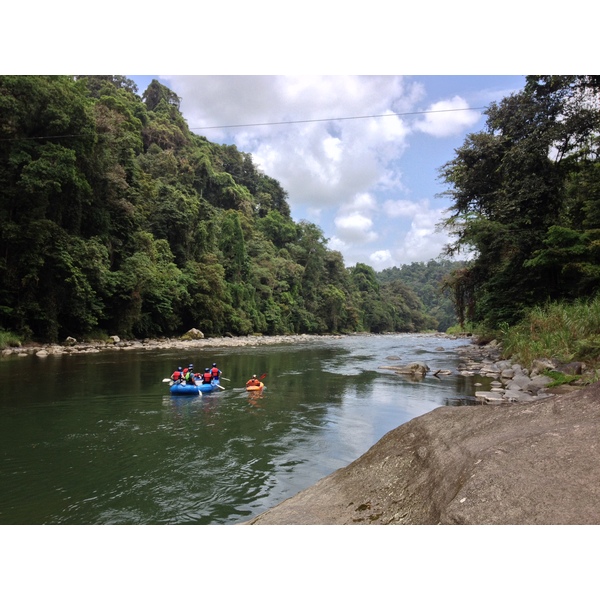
[536, 463]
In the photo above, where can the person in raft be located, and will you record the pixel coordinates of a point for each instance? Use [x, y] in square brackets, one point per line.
[207, 376]
[189, 375]
[216, 372]
[177, 376]
[253, 382]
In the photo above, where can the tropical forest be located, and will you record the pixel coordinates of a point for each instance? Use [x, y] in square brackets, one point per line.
[115, 218]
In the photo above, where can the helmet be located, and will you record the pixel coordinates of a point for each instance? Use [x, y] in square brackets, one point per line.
[214, 364]
[179, 369]
[206, 370]
[190, 366]
[254, 376]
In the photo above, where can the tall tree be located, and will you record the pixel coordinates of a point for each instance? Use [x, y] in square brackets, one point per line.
[509, 187]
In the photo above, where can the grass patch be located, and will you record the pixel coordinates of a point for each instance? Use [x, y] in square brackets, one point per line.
[9, 340]
[560, 378]
[560, 330]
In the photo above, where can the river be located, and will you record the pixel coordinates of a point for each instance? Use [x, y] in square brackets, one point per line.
[97, 439]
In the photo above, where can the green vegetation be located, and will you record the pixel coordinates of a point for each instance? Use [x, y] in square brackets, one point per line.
[115, 218]
[9, 340]
[565, 331]
[428, 283]
[560, 378]
[526, 202]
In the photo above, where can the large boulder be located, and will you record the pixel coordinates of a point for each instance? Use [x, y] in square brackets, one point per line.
[415, 369]
[193, 334]
[535, 463]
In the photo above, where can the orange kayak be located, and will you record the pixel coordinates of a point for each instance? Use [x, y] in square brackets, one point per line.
[255, 388]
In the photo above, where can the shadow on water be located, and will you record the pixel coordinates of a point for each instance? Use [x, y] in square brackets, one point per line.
[95, 439]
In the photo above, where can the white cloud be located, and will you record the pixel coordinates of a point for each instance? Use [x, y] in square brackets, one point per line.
[422, 241]
[339, 147]
[355, 227]
[447, 118]
[326, 154]
[381, 259]
[401, 208]
[354, 220]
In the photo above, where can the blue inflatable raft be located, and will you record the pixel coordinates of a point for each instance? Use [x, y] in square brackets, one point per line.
[206, 388]
[185, 389]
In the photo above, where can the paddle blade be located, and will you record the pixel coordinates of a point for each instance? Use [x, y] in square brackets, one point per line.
[263, 376]
[166, 380]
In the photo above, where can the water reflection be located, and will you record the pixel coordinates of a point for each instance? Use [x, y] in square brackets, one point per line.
[97, 439]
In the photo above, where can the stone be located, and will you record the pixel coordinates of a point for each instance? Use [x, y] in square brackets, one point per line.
[572, 368]
[416, 369]
[193, 334]
[539, 365]
[538, 382]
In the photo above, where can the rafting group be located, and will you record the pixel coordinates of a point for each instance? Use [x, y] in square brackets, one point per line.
[185, 381]
[187, 375]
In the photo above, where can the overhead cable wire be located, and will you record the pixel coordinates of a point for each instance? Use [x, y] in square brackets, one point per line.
[406, 114]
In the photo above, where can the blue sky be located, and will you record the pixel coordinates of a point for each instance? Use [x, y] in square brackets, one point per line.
[370, 184]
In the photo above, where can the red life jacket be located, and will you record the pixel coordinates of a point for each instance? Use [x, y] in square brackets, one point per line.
[215, 372]
[176, 375]
[207, 377]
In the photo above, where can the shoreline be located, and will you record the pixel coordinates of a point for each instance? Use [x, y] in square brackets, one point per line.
[509, 382]
[115, 344]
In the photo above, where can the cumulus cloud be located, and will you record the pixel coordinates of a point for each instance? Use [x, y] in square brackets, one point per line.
[355, 227]
[401, 208]
[447, 118]
[323, 154]
[354, 220]
[381, 259]
[342, 150]
[423, 241]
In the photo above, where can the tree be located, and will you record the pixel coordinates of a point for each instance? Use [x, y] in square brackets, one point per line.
[509, 186]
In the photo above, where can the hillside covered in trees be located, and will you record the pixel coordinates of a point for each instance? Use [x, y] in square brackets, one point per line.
[116, 218]
[428, 281]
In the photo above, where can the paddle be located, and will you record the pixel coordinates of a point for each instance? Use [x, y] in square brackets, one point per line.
[219, 386]
[225, 378]
[166, 380]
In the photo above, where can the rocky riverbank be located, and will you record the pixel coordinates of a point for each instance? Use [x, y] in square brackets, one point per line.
[510, 382]
[529, 458]
[115, 344]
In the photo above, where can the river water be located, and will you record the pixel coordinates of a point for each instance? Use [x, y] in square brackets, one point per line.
[97, 439]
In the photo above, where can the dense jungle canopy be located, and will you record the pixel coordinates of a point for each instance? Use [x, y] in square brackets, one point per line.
[525, 197]
[116, 218]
